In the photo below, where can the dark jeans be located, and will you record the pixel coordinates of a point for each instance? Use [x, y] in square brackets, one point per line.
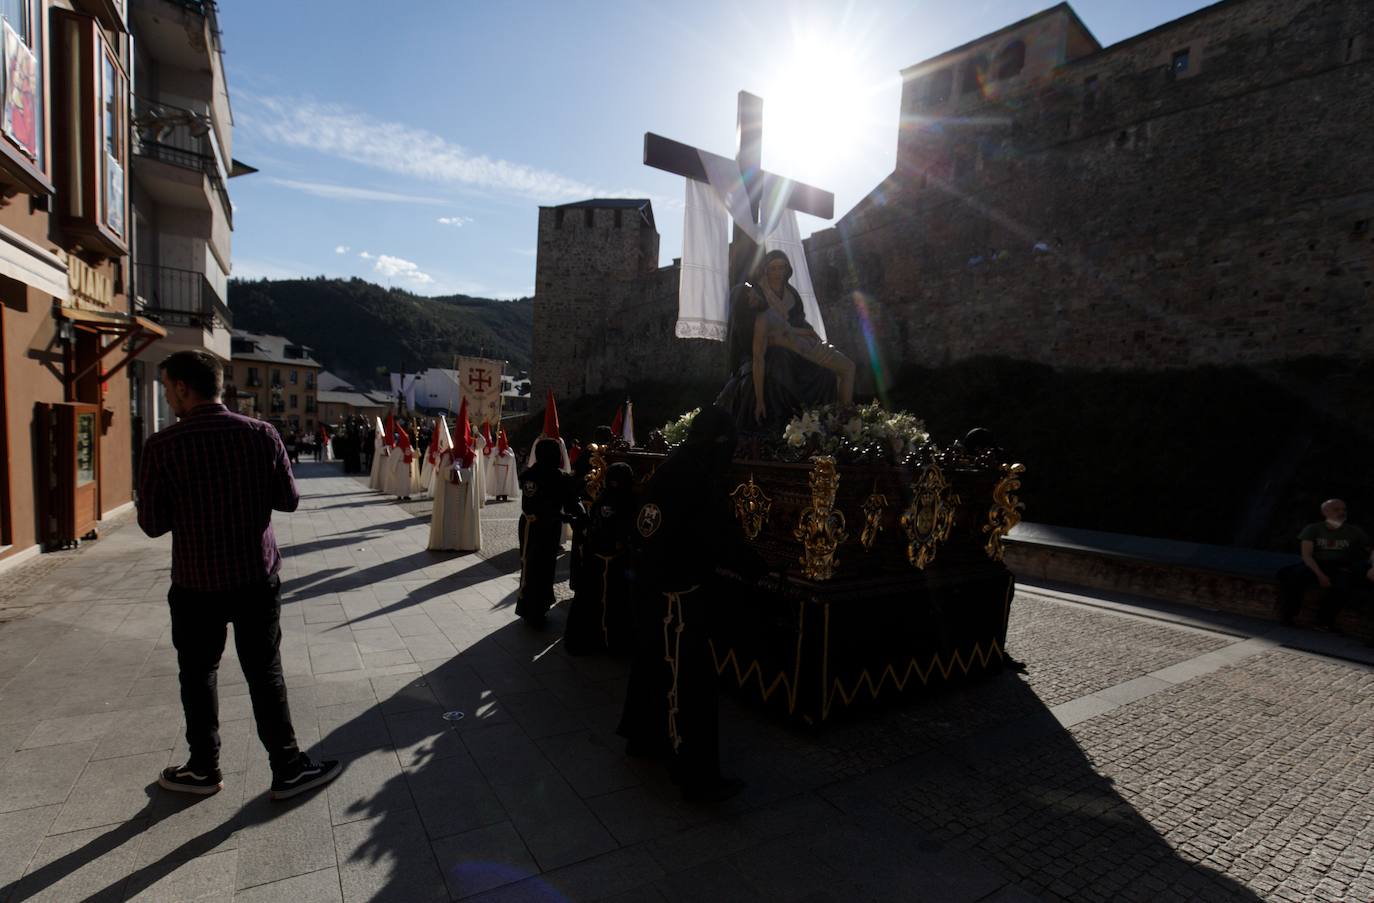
[1296, 579]
[199, 630]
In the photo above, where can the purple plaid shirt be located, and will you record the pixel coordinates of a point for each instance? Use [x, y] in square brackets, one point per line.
[213, 479]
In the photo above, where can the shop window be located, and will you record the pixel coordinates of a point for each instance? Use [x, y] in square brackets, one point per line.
[24, 157]
[91, 123]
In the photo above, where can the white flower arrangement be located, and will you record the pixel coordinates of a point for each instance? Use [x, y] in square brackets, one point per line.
[857, 431]
[675, 431]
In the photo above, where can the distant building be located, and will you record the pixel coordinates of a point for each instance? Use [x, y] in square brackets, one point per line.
[181, 138]
[340, 401]
[274, 379]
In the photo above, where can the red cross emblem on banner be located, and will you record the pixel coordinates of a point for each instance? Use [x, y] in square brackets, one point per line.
[478, 379]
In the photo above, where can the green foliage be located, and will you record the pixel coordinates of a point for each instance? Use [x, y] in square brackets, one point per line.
[358, 329]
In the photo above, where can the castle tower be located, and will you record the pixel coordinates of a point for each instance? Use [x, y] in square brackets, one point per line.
[593, 259]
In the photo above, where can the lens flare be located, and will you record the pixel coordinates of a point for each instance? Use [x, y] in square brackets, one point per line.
[875, 357]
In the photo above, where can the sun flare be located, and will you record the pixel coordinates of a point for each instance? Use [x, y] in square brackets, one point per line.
[815, 107]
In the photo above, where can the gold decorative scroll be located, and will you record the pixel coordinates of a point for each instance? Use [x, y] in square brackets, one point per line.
[873, 519]
[821, 528]
[751, 507]
[596, 474]
[1005, 512]
[930, 517]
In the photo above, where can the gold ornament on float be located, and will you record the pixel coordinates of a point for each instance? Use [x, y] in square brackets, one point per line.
[596, 474]
[930, 517]
[821, 528]
[751, 507]
[1005, 512]
[873, 518]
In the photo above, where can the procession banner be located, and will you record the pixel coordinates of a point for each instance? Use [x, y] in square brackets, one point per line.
[479, 379]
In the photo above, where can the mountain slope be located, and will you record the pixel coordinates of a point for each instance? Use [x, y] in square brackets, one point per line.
[355, 326]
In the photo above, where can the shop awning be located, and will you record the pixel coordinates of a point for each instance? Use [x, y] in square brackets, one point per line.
[140, 332]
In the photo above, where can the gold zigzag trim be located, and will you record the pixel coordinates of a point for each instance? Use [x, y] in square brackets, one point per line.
[975, 654]
[742, 677]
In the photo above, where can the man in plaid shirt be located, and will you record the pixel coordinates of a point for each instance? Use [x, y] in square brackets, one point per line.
[213, 480]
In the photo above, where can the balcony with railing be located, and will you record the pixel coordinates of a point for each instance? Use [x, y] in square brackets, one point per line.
[176, 297]
[183, 138]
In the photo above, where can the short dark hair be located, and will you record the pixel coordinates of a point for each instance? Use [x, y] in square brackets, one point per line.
[200, 370]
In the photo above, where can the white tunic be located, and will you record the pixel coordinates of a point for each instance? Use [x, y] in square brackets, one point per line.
[505, 477]
[479, 469]
[456, 523]
[374, 478]
[398, 477]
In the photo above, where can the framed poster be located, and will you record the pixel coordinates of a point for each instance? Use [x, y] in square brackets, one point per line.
[20, 117]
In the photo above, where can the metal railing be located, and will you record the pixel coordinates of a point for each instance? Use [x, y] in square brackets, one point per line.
[181, 137]
[179, 297]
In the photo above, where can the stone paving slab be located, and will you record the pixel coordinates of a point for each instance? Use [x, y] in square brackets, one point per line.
[1142, 756]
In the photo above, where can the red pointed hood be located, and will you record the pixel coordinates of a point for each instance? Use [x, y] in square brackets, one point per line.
[618, 421]
[486, 434]
[551, 417]
[389, 439]
[462, 438]
[502, 444]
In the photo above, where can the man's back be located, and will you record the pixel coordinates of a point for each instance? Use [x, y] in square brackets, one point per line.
[213, 479]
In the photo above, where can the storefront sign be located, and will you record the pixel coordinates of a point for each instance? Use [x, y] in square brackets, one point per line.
[91, 289]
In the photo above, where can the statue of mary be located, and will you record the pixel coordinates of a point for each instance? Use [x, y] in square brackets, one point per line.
[779, 365]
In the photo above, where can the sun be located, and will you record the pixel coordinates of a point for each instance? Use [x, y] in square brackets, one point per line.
[815, 107]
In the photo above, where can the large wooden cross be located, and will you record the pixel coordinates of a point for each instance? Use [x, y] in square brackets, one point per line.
[780, 192]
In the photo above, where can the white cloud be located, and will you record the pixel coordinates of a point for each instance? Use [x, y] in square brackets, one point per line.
[341, 249]
[403, 150]
[398, 268]
[454, 220]
[354, 193]
[364, 255]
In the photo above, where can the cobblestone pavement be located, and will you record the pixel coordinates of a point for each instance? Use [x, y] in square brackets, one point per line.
[1140, 757]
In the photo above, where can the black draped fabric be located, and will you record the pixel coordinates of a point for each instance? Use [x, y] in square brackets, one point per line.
[790, 382]
[546, 499]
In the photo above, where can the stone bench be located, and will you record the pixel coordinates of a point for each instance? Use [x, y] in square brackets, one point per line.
[1219, 578]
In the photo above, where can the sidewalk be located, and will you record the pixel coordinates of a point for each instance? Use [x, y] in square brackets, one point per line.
[1141, 757]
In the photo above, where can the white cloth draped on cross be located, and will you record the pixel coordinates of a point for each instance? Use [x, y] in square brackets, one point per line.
[703, 290]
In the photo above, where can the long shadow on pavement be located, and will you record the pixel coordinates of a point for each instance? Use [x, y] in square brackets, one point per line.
[976, 790]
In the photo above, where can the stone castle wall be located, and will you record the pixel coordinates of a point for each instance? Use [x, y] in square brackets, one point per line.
[1113, 210]
[604, 311]
[1117, 214]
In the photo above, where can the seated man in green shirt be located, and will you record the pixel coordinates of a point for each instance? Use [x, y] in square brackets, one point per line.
[1336, 556]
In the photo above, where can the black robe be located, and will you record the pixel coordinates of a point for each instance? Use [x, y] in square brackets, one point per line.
[599, 618]
[682, 531]
[547, 500]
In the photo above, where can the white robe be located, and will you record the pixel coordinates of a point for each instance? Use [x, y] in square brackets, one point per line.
[456, 523]
[426, 474]
[400, 478]
[374, 479]
[505, 476]
[479, 469]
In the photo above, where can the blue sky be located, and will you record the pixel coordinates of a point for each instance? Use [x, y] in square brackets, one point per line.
[412, 143]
